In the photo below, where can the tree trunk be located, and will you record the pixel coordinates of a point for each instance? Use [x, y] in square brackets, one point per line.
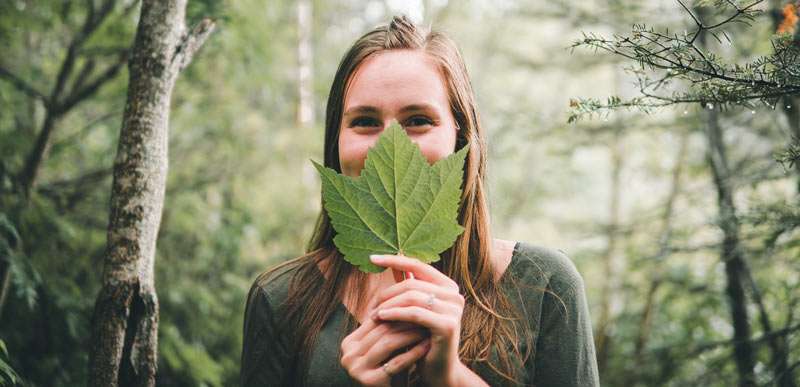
[656, 278]
[610, 274]
[305, 103]
[30, 171]
[731, 254]
[125, 320]
[777, 343]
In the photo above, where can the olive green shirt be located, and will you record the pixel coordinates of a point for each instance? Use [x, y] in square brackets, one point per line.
[542, 283]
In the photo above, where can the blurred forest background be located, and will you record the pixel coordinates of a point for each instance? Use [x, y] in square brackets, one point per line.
[667, 242]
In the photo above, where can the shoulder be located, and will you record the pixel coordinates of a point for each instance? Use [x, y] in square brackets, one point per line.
[272, 285]
[547, 268]
[565, 353]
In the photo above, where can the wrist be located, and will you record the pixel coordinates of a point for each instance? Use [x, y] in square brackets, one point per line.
[461, 375]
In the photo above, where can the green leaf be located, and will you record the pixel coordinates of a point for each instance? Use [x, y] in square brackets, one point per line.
[7, 374]
[399, 205]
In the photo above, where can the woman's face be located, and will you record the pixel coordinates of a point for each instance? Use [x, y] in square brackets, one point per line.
[402, 85]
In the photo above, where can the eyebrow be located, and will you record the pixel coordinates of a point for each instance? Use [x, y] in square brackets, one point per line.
[366, 109]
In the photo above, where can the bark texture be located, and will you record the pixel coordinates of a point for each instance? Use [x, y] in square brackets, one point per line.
[125, 321]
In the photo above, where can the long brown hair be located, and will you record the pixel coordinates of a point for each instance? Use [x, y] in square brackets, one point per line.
[488, 319]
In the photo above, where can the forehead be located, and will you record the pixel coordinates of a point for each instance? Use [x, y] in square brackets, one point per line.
[396, 78]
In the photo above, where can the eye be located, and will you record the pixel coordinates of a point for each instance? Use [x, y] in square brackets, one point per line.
[364, 122]
[417, 121]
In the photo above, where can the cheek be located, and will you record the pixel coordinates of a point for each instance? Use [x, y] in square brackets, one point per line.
[353, 151]
[437, 146]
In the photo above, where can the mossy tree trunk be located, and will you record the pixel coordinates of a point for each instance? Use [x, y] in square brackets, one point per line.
[125, 321]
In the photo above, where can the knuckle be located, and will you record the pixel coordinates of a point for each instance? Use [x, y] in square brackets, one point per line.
[349, 369]
[347, 360]
[450, 324]
[453, 285]
[410, 283]
[369, 381]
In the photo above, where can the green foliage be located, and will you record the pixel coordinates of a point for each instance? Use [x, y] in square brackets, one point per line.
[24, 276]
[790, 156]
[399, 205]
[241, 194]
[191, 361]
[7, 375]
[702, 66]
[665, 60]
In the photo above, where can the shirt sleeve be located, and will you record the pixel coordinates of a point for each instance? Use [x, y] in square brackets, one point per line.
[265, 359]
[565, 353]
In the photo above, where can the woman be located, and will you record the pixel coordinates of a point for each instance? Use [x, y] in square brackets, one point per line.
[489, 312]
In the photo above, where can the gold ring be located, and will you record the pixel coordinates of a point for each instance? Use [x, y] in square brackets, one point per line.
[385, 368]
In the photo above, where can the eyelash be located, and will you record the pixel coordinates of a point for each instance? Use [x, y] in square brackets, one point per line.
[371, 122]
[427, 121]
[359, 122]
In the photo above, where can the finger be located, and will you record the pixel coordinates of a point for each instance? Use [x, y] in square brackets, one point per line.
[362, 330]
[446, 294]
[420, 270]
[382, 329]
[389, 343]
[359, 333]
[404, 360]
[424, 300]
[439, 324]
[408, 358]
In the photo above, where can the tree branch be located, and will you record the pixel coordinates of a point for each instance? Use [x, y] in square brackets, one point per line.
[79, 95]
[191, 43]
[22, 85]
[93, 21]
[767, 78]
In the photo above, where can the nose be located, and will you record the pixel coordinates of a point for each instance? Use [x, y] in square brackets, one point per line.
[389, 121]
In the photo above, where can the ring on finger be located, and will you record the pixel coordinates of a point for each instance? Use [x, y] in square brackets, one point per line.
[385, 368]
[431, 299]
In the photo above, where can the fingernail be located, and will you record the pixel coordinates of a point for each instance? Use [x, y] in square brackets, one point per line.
[376, 258]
